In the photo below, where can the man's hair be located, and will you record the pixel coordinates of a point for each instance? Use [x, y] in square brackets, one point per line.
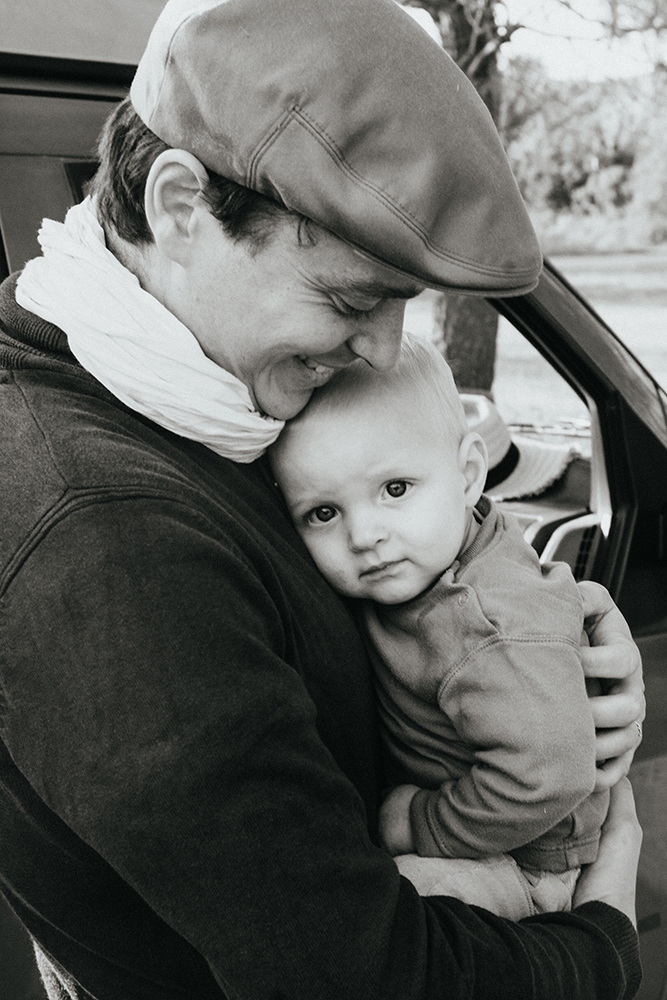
[127, 150]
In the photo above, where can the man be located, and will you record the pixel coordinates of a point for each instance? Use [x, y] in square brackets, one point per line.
[189, 771]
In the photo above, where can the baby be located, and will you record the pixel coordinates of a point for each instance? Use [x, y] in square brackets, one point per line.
[475, 645]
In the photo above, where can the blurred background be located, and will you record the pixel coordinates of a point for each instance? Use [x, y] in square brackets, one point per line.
[578, 90]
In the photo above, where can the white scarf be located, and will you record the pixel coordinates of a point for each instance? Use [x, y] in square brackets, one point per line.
[133, 345]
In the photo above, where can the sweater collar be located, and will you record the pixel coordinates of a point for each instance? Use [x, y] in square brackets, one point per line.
[25, 339]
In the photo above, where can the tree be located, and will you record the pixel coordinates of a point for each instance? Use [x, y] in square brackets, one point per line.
[564, 137]
[473, 32]
[623, 17]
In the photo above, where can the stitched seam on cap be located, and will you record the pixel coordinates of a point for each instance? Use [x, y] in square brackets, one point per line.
[295, 113]
[402, 214]
[320, 133]
[264, 144]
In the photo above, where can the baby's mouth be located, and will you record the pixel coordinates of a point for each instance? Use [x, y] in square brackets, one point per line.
[379, 567]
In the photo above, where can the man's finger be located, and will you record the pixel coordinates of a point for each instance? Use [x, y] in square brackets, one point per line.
[604, 622]
[622, 659]
[618, 709]
[609, 773]
[614, 742]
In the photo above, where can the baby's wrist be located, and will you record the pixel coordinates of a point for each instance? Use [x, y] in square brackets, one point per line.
[395, 826]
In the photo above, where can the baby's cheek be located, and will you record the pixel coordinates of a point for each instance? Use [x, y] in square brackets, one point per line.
[323, 553]
[333, 561]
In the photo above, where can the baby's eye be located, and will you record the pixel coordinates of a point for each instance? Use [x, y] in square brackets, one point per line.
[397, 488]
[321, 514]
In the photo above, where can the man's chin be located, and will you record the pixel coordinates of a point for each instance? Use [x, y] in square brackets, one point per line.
[284, 389]
[284, 406]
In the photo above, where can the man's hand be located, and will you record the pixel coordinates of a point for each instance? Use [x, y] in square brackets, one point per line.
[395, 829]
[614, 658]
[613, 877]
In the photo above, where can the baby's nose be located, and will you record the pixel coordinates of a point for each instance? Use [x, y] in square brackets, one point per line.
[365, 532]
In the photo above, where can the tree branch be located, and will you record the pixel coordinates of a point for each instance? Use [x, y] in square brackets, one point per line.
[626, 17]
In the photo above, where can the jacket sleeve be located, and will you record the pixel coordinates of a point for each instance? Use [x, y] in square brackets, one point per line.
[151, 707]
[520, 703]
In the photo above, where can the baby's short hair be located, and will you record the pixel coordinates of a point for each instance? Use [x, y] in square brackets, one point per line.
[420, 368]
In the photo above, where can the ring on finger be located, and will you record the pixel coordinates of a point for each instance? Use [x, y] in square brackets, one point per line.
[639, 730]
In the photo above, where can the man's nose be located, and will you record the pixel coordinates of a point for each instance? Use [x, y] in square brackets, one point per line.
[378, 340]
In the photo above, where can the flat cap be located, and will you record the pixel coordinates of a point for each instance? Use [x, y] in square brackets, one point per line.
[347, 112]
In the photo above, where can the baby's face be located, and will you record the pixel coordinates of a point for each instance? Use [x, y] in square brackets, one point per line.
[378, 496]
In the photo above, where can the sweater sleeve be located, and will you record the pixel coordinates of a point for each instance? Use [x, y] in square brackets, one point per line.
[520, 704]
[151, 706]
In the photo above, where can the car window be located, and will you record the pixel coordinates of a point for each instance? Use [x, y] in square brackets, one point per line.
[529, 393]
[533, 398]
[113, 31]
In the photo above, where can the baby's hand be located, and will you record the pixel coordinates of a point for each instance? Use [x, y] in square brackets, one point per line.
[395, 830]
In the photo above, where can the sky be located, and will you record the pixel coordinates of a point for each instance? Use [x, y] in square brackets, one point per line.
[571, 47]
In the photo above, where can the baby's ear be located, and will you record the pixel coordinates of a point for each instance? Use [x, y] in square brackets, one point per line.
[473, 462]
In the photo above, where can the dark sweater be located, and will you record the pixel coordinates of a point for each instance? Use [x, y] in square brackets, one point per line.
[189, 765]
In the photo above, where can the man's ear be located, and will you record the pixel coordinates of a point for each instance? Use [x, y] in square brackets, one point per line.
[474, 463]
[175, 182]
